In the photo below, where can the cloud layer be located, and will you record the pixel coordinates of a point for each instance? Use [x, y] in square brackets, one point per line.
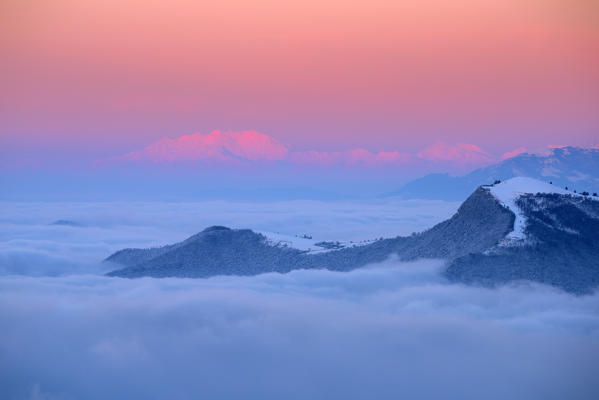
[392, 330]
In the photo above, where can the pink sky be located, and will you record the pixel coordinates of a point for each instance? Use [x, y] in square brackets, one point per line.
[100, 78]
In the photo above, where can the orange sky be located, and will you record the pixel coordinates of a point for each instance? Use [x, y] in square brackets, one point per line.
[114, 75]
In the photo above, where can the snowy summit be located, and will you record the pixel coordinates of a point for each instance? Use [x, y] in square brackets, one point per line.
[307, 244]
[509, 191]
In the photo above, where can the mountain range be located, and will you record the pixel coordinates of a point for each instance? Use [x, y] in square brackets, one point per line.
[244, 148]
[520, 229]
[572, 167]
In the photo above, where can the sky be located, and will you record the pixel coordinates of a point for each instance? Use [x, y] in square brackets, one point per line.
[90, 80]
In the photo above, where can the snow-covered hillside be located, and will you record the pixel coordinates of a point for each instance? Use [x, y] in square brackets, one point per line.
[307, 243]
[509, 191]
[521, 229]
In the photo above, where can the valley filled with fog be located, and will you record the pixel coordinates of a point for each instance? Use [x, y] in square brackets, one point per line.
[388, 330]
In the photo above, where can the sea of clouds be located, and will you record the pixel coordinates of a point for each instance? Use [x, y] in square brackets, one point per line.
[387, 331]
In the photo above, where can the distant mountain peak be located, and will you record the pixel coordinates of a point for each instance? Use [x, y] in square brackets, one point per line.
[216, 228]
[250, 147]
[572, 167]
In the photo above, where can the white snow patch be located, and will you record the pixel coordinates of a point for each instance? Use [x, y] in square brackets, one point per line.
[296, 242]
[306, 243]
[507, 193]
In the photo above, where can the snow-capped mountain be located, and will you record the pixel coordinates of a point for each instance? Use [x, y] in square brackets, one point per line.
[572, 167]
[510, 191]
[554, 240]
[521, 229]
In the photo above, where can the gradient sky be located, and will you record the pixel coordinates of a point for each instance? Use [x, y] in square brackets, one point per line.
[100, 78]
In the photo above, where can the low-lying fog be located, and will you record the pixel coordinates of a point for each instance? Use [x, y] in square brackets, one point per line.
[393, 330]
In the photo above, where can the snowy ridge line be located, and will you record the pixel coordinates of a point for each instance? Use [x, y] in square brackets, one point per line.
[307, 244]
[507, 192]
